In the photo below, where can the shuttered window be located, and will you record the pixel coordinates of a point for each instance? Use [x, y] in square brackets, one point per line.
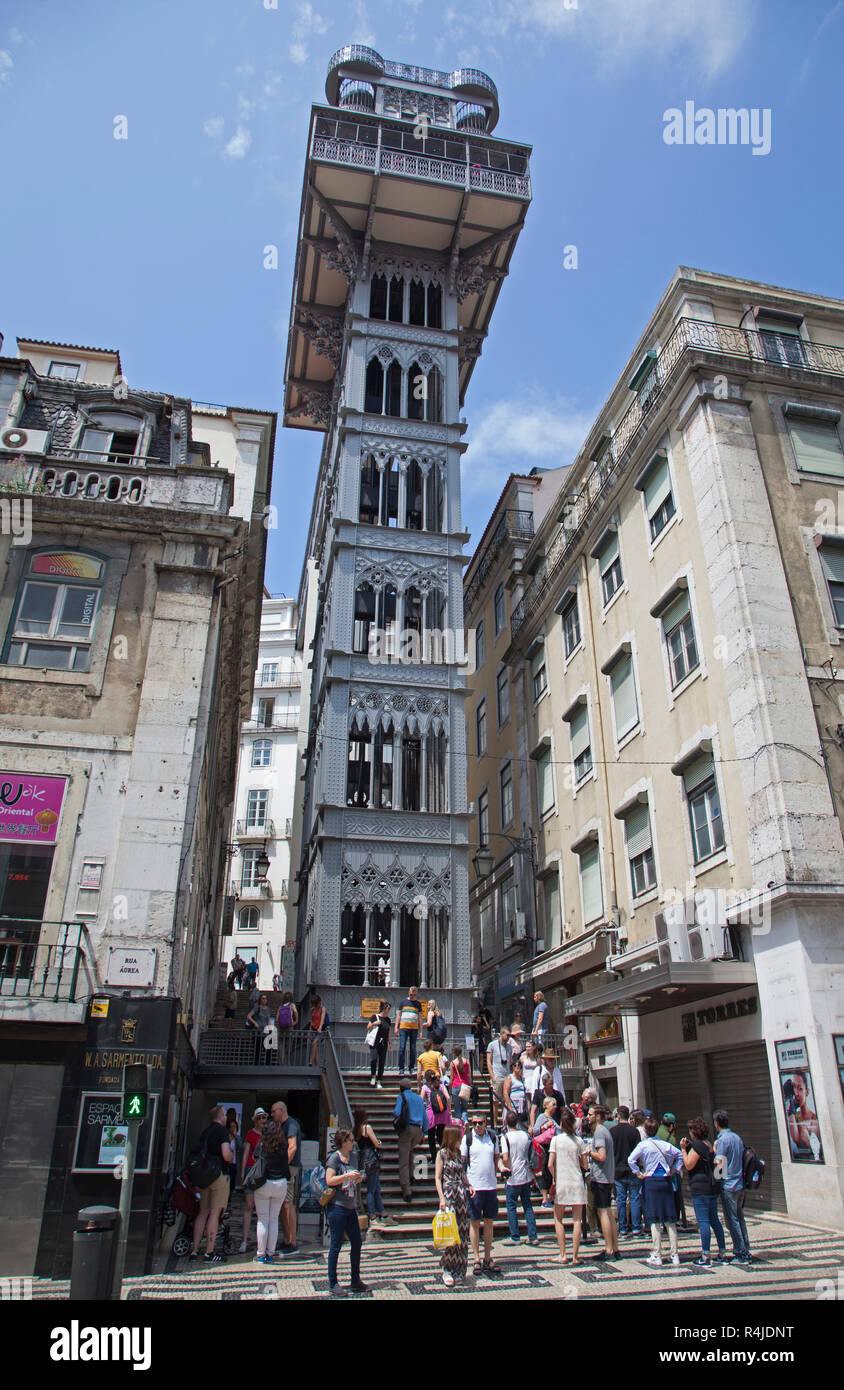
[680, 638]
[571, 626]
[609, 565]
[590, 885]
[659, 499]
[623, 689]
[553, 915]
[545, 782]
[538, 671]
[832, 563]
[705, 818]
[817, 447]
[640, 854]
[581, 751]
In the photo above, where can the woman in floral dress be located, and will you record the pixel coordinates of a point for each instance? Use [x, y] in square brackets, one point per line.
[453, 1192]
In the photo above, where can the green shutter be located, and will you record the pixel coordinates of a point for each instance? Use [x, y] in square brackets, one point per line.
[579, 731]
[624, 696]
[552, 911]
[638, 825]
[537, 660]
[698, 772]
[608, 553]
[545, 782]
[817, 447]
[657, 488]
[832, 560]
[590, 883]
[676, 611]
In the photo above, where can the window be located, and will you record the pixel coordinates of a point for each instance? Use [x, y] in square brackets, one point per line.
[609, 567]
[623, 693]
[56, 611]
[269, 673]
[502, 695]
[640, 855]
[499, 609]
[590, 885]
[111, 438]
[707, 826]
[817, 445]
[571, 626]
[483, 818]
[251, 878]
[680, 639]
[262, 752]
[256, 807]
[64, 371]
[480, 645]
[581, 749]
[505, 778]
[545, 794]
[781, 341]
[659, 499]
[8, 387]
[832, 564]
[553, 913]
[486, 927]
[480, 722]
[507, 901]
[539, 673]
[248, 919]
[266, 710]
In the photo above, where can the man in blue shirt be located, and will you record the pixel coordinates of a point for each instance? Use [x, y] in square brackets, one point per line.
[539, 1025]
[412, 1109]
[730, 1147]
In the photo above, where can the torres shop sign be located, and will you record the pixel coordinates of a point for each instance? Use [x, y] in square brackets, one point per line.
[30, 807]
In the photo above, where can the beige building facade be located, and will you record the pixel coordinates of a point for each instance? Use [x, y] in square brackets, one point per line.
[686, 595]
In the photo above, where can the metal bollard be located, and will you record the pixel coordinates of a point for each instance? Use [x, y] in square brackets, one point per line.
[94, 1250]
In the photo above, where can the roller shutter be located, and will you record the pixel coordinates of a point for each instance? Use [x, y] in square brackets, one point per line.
[741, 1084]
[675, 1088]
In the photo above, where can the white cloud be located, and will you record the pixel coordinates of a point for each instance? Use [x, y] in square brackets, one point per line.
[239, 144]
[515, 435]
[307, 21]
[298, 53]
[710, 33]
[5, 65]
[244, 70]
[214, 126]
[18, 36]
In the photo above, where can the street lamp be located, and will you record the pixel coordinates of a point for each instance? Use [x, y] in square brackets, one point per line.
[262, 864]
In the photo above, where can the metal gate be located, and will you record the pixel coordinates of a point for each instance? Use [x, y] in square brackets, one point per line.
[675, 1087]
[741, 1084]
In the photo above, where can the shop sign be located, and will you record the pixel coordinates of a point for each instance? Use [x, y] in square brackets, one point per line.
[798, 1098]
[130, 966]
[718, 1013]
[30, 807]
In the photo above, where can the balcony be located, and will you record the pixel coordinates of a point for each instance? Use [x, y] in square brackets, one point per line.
[515, 525]
[288, 720]
[748, 347]
[479, 164]
[255, 830]
[260, 891]
[40, 970]
[284, 680]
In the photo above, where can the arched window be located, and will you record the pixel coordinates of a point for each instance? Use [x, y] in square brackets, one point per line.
[414, 489]
[435, 610]
[413, 614]
[364, 617]
[383, 772]
[393, 389]
[434, 402]
[396, 306]
[374, 398]
[417, 392]
[409, 950]
[352, 946]
[411, 752]
[437, 782]
[249, 919]
[390, 494]
[378, 297]
[435, 499]
[358, 769]
[416, 303]
[435, 306]
[262, 749]
[56, 611]
[368, 509]
[387, 608]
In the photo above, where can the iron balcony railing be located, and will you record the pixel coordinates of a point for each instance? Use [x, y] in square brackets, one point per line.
[282, 680]
[580, 507]
[518, 525]
[246, 1047]
[255, 829]
[263, 889]
[34, 969]
[567, 1056]
[408, 72]
[378, 159]
[289, 720]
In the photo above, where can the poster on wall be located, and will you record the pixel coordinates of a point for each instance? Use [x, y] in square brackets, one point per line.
[838, 1043]
[30, 807]
[101, 1134]
[798, 1098]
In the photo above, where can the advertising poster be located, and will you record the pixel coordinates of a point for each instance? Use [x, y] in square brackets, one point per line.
[798, 1098]
[838, 1043]
[30, 807]
[101, 1135]
[113, 1139]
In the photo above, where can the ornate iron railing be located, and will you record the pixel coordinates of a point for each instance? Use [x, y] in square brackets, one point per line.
[287, 720]
[516, 524]
[255, 830]
[35, 969]
[415, 166]
[245, 1047]
[580, 507]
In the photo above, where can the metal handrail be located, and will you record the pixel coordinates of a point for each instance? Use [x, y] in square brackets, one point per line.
[244, 1047]
[44, 970]
[581, 506]
[255, 830]
[340, 1104]
[282, 681]
[277, 722]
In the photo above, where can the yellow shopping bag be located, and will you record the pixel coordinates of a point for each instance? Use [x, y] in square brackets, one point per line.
[445, 1230]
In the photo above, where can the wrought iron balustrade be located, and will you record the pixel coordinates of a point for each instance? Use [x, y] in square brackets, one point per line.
[430, 168]
[581, 507]
[245, 1047]
[514, 523]
[255, 829]
[289, 720]
[284, 680]
[34, 969]
[261, 890]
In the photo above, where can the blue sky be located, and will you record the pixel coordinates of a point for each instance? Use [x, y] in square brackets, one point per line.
[154, 244]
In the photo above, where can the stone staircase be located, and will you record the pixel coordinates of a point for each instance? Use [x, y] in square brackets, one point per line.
[218, 1019]
[413, 1222]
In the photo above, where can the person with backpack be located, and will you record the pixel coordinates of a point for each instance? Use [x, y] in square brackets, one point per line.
[730, 1147]
[436, 1099]
[453, 1192]
[514, 1162]
[514, 1096]
[378, 1039]
[286, 1020]
[437, 1026]
[212, 1155]
[653, 1161]
[460, 1080]
[479, 1151]
[544, 1130]
[410, 1121]
[319, 1023]
[408, 1030]
[369, 1154]
[430, 1060]
[699, 1163]
[250, 1144]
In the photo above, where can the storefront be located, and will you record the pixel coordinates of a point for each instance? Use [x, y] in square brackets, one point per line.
[30, 819]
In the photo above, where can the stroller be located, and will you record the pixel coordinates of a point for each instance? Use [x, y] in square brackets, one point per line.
[184, 1197]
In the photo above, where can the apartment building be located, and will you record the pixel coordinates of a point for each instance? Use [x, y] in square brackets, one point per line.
[258, 924]
[132, 544]
[688, 747]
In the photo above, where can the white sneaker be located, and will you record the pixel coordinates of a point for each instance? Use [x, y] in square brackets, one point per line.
[378, 1086]
[655, 1261]
[372, 1081]
[242, 1247]
[675, 1259]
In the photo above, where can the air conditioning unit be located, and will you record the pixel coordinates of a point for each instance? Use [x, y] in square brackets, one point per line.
[672, 934]
[709, 941]
[519, 927]
[15, 440]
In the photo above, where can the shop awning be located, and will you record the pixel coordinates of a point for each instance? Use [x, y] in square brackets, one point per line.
[569, 961]
[664, 987]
